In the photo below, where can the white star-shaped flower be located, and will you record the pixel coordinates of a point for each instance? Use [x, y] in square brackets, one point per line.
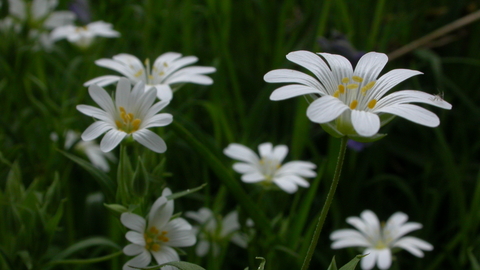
[131, 114]
[214, 233]
[83, 36]
[379, 240]
[349, 102]
[157, 236]
[268, 168]
[167, 70]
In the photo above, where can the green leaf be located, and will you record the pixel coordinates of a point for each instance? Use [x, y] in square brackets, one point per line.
[333, 265]
[353, 263]
[473, 260]
[180, 265]
[90, 242]
[102, 178]
[177, 195]
[124, 177]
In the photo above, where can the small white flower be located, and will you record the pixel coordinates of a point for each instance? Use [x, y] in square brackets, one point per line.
[83, 36]
[349, 102]
[39, 16]
[268, 168]
[213, 234]
[157, 236]
[378, 240]
[167, 70]
[131, 114]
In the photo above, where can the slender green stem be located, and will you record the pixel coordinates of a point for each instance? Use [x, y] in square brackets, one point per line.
[328, 202]
[88, 261]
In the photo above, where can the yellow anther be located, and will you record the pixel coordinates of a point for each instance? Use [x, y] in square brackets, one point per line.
[165, 64]
[139, 73]
[353, 104]
[352, 86]
[370, 84]
[336, 94]
[372, 103]
[130, 117]
[364, 90]
[153, 230]
[122, 109]
[147, 62]
[341, 89]
[161, 73]
[150, 77]
[345, 80]
[118, 124]
[124, 117]
[155, 247]
[357, 79]
[136, 124]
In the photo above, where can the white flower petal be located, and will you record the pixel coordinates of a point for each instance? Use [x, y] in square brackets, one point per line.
[230, 223]
[122, 94]
[280, 152]
[388, 81]
[133, 249]
[286, 185]
[96, 129]
[202, 248]
[409, 96]
[368, 262]
[413, 245]
[413, 113]
[351, 242]
[366, 124]
[150, 140]
[293, 76]
[244, 168]
[141, 260]
[111, 140]
[406, 228]
[158, 120]
[101, 97]
[164, 92]
[384, 258]
[370, 65]
[293, 90]
[340, 66]
[348, 234]
[94, 112]
[133, 222]
[241, 152]
[103, 80]
[325, 109]
[135, 238]
[164, 255]
[161, 211]
[253, 177]
[265, 150]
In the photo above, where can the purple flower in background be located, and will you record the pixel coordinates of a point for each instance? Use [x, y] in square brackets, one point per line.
[81, 8]
[356, 146]
[339, 44]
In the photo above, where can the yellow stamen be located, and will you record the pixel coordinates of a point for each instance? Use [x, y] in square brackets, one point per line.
[165, 64]
[341, 89]
[370, 84]
[161, 73]
[118, 123]
[372, 103]
[139, 73]
[136, 124]
[130, 117]
[345, 80]
[353, 104]
[336, 94]
[357, 79]
[153, 230]
[155, 247]
[352, 86]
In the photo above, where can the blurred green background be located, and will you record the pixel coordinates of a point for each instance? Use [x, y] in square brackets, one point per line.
[430, 174]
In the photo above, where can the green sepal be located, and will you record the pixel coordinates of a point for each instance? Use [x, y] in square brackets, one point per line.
[385, 118]
[333, 264]
[185, 192]
[140, 180]
[332, 130]
[116, 208]
[362, 139]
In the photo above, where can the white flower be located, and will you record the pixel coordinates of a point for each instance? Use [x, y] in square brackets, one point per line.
[168, 69]
[378, 240]
[38, 16]
[268, 168]
[131, 115]
[157, 236]
[83, 36]
[213, 233]
[349, 102]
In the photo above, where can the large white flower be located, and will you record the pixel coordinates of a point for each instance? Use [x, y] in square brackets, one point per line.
[157, 236]
[131, 114]
[379, 240]
[167, 70]
[83, 36]
[349, 102]
[214, 233]
[268, 168]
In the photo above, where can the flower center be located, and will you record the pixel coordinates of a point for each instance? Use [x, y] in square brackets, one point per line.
[352, 91]
[154, 238]
[268, 167]
[127, 123]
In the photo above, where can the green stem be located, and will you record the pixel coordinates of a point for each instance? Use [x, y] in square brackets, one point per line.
[88, 261]
[328, 202]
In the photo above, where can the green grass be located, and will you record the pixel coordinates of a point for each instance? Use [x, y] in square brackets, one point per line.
[430, 174]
